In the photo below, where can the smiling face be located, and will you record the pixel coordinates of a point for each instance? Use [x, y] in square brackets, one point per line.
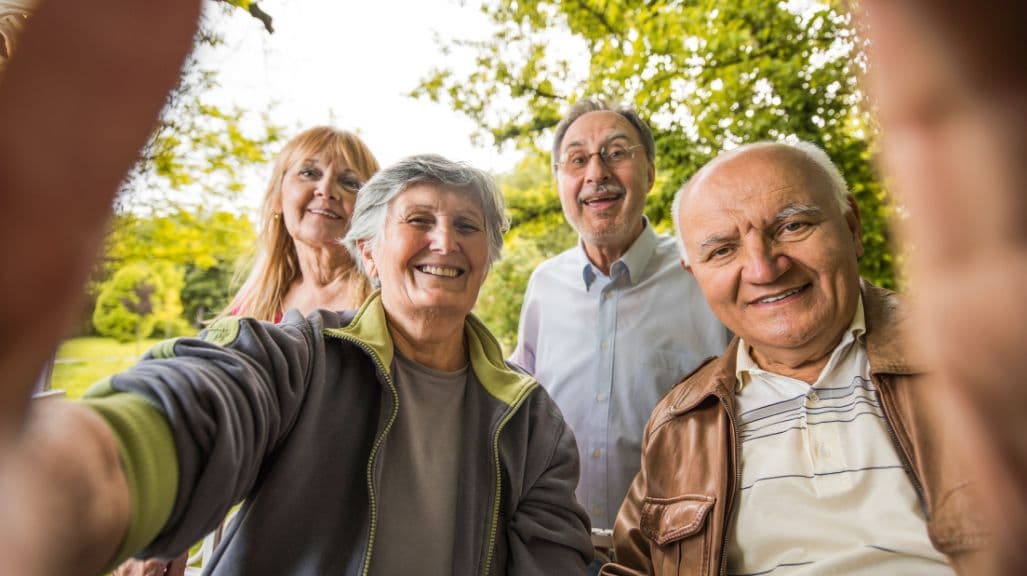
[433, 254]
[317, 200]
[604, 205]
[773, 253]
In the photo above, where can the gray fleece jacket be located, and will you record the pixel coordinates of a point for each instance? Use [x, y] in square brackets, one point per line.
[292, 417]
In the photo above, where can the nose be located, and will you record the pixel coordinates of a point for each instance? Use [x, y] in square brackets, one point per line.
[327, 187]
[596, 170]
[443, 238]
[763, 263]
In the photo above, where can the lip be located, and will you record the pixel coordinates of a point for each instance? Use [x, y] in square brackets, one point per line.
[781, 297]
[602, 196]
[325, 213]
[440, 270]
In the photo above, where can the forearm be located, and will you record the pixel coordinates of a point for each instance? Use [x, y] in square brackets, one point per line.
[64, 499]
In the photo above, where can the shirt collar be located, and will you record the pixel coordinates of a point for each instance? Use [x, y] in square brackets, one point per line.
[745, 366]
[632, 264]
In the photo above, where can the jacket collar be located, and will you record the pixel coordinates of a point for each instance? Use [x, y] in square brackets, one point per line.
[370, 328]
[889, 350]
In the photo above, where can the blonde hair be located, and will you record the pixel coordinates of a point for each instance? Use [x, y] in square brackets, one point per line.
[277, 265]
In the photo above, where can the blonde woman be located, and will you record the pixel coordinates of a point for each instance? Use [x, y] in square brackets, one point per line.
[306, 212]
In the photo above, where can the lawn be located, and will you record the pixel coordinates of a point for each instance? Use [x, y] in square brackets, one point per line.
[83, 361]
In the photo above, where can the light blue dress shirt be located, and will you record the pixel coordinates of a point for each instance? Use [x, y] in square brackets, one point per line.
[607, 348]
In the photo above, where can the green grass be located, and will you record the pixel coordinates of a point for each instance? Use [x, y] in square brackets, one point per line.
[83, 361]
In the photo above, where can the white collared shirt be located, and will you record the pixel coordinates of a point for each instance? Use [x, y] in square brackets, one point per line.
[607, 348]
[823, 489]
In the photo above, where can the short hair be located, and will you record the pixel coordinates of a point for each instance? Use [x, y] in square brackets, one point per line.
[277, 266]
[813, 154]
[368, 224]
[583, 107]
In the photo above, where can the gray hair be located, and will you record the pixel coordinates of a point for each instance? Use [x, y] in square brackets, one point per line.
[583, 107]
[368, 222]
[817, 158]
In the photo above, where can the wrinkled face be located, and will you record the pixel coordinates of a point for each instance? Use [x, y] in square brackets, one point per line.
[773, 252]
[317, 200]
[603, 204]
[432, 256]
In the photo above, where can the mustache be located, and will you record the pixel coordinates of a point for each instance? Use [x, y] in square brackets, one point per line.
[601, 189]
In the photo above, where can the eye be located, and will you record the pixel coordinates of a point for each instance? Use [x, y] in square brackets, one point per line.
[720, 252]
[615, 154]
[350, 184]
[577, 160]
[310, 173]
[419, 221]
[793, 227]
[467, 227]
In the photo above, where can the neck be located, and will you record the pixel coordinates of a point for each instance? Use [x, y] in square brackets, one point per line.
[805, 365]
[327, 280]
[603, 254]
[430, 340]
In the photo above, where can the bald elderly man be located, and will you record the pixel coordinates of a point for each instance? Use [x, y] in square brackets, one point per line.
[813, 445]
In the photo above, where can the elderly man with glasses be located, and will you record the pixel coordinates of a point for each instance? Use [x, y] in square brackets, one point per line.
[609, 326]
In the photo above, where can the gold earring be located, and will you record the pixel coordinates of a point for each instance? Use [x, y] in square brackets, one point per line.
[276, 215]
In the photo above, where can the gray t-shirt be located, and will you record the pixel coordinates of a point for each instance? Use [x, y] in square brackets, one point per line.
[419, 471]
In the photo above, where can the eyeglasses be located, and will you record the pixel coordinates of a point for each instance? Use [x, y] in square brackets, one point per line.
[612, 156]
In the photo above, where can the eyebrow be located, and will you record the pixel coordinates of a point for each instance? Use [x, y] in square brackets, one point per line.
[796, 209]
[606, 142]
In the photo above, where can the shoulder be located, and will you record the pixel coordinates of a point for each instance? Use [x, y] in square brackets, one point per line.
[713, 376]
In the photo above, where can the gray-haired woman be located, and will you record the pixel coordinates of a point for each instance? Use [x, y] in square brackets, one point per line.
[386, 440]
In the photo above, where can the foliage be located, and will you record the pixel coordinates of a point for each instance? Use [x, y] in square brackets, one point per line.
[205, 248]
[81, 362]
[539, 232]
[200, 148]
[138, 298]
[708, 74]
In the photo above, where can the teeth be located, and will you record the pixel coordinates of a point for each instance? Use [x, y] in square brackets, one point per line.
[440, 271]
[770, 299]
[325, 213]
[598, 199]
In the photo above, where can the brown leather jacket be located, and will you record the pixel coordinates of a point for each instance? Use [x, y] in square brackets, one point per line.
[674, 519]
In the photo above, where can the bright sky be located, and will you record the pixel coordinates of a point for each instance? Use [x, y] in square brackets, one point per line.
[350, 64]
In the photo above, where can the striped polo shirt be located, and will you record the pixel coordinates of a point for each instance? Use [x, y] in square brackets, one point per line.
[823, 488]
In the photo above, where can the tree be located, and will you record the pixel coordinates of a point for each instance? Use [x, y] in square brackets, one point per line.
[137, 299]
[708, 74]
[205, 248]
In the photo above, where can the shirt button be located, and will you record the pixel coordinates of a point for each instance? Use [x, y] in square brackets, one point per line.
[608, 296]
[825, 451]
[813, 396]
[600, 397]
[597, 453]
[605, 345]
[597, 510]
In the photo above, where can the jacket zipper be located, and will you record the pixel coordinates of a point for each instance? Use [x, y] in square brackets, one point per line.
[494, 524]
[374, 448]
[735, 488]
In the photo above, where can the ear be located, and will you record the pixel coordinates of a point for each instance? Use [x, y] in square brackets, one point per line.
[687, 267]
[651, 174]
[368, 257]
[855, 225]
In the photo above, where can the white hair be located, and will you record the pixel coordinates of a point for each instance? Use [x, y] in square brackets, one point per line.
[815, 155]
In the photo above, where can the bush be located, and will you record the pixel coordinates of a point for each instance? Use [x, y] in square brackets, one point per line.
[136, 299]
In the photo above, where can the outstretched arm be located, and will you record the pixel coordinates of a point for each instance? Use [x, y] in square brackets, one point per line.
[76, 104]
[64, 500]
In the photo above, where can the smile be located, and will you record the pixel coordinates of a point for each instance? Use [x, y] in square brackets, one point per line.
[445, 271]
[603, 193]
[325, 213]
[778, 297]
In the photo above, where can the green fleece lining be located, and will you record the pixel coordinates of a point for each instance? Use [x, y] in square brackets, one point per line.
[370, 327]
[164, 348]
[148, 456]
[223, 331]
